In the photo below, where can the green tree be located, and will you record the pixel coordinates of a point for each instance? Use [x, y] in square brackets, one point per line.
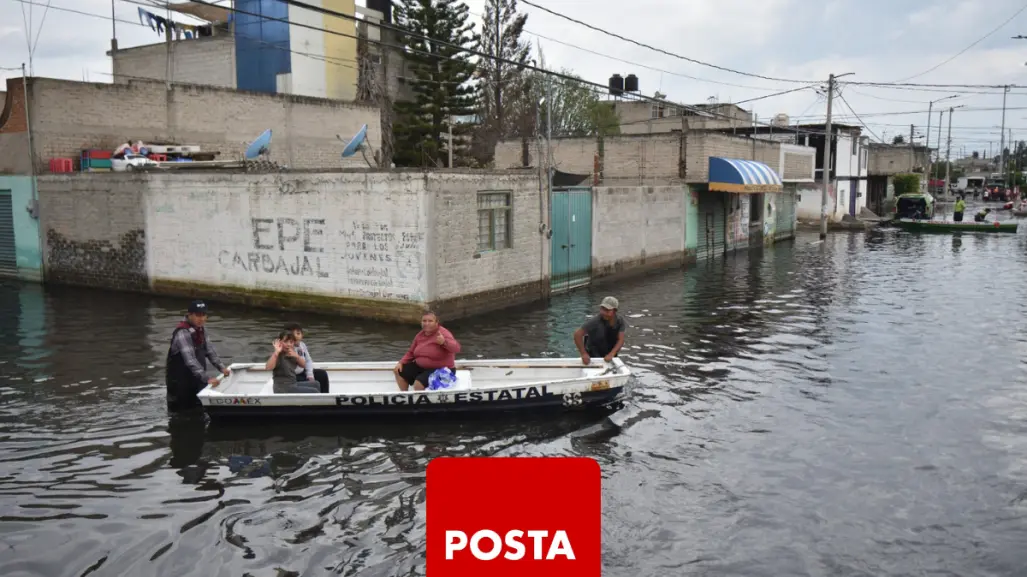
[576, 107]
[899, 139]
[503, 84]
[441, 83]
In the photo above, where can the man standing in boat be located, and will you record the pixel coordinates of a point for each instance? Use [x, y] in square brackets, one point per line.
[185, 373]
[603, 334]
[957, 211]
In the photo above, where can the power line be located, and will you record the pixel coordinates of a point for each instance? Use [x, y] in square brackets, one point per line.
[847, 105]
[975, 43]
[637, 64]
[660, 50]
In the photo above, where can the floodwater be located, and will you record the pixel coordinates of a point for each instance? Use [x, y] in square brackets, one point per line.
[852, 407]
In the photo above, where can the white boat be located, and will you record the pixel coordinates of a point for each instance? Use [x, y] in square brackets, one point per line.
[481, 385]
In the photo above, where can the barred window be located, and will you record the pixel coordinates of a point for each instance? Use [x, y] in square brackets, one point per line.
[493, 221]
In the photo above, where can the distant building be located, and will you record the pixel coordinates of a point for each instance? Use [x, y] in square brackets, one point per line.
[262, 47]
[638, 117]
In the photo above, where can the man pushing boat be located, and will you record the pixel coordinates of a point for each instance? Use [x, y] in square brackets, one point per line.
[185, 373]
[603, 334]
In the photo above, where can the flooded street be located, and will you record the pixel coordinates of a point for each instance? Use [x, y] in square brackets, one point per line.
[852, 407]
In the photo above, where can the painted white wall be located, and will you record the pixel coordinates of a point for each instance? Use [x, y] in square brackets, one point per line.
[308, 72]
[342, 235]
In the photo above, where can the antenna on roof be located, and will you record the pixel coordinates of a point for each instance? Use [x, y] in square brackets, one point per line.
[260, 146]
[358, 142]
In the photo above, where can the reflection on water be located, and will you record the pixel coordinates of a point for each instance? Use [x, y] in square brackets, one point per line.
[852, 407]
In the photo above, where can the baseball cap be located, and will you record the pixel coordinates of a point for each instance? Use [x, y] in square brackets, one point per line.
[198, 307]
[609, 303]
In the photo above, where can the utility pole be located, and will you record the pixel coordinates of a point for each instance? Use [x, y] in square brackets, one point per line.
[549, 139]
[941, 114]
[948, 149]
[912, 149]
[1002, 137]
[167, 43]
[827, 159]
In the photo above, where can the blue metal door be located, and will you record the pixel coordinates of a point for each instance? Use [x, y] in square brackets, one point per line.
[571, 245]
[853, 193]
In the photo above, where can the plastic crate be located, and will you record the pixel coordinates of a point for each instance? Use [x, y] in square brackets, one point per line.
[59, 165]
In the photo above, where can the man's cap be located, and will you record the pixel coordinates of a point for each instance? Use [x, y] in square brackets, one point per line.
[609, 303]
[198, 307]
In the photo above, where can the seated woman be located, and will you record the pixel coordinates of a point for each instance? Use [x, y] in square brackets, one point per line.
[433, 348]
[283, 363]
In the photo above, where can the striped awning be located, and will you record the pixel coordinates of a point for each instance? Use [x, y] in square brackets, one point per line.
[742, 176]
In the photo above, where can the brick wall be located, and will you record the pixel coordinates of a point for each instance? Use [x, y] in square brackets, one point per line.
[94, 230]
[207, 61]
[700, 146]
[631, 159]
[891, 160]
[798, 166]
[467, 280]
[216, 119]
[637, 228]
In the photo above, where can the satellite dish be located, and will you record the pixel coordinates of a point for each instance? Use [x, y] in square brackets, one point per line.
[358, 142]
[262, 145]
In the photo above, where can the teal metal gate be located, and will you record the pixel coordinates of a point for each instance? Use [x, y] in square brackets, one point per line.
[712, 225]
[571, 245]
[8, 252]
[784, 223]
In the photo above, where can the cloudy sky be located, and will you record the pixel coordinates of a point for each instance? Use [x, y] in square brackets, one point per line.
[793, 41]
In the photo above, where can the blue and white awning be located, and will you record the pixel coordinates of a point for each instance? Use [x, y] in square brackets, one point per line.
[742, 176]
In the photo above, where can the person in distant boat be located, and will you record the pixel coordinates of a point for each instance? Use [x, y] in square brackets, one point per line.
[982, 215]
[434, 347]
[307, 372]
[603, 334]
[185, 373]
[957, 211]
[283, 362]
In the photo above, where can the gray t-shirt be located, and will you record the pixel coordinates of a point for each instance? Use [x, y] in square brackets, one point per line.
[600, 336]
[284, 374]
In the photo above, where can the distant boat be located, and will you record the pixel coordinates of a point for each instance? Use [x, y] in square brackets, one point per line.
[948, 226]
[481, 385]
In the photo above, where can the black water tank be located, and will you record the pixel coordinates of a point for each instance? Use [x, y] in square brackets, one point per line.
[631, 83]
[616, 84]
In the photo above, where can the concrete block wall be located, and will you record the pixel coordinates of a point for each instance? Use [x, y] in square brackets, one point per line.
[216, 119]
[888, 160]
[366, 244]
[700, 146]
[14, 147]
[638, 228]
[94, 230]
[207, 61]
[631, 159]
[469, 281]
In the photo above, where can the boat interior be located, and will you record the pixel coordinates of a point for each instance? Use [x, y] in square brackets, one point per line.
[378, 378]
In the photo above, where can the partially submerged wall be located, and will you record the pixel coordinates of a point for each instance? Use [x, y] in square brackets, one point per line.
[365, 244]
[489, 251]
[639, 228]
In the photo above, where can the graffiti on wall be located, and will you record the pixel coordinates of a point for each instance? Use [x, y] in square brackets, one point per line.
[289, 248]
[738, 221]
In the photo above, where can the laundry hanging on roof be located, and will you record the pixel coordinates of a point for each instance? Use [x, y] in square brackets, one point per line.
[159, 23]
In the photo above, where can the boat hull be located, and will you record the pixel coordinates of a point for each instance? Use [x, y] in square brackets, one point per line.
[943, 226]
[595, 387]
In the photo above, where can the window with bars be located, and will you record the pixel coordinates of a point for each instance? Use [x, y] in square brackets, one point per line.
[493, 221]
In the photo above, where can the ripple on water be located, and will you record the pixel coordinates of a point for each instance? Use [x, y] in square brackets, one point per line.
[853, 407]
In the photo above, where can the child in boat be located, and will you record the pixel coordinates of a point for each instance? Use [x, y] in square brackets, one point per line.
[283, 363]
[307, 372]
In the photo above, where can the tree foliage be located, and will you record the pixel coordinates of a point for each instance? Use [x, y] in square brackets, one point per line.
[906, 183]
[899, 139]
[575, 105]
[504, 85]
[441, 82]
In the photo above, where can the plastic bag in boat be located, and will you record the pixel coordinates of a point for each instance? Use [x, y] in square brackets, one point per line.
[441, 379]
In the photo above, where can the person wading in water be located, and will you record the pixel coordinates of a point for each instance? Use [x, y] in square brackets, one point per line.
[185, 373]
